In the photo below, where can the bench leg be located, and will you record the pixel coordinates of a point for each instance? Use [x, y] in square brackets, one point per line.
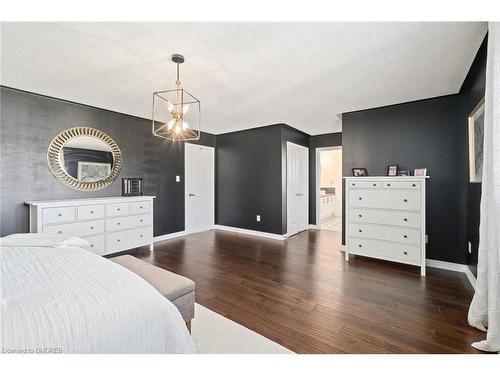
[188, 325]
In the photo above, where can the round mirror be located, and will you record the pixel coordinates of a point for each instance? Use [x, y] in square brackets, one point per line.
[84, 158]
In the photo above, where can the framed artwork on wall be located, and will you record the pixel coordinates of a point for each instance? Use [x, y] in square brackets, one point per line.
[476, 137]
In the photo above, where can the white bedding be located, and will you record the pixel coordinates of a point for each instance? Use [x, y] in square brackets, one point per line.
[71, 301]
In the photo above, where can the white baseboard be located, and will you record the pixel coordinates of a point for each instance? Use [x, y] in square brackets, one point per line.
[446, 265]
[169, 236]
[457, 267]
[313, 226]
[471, 277]
[251, 232]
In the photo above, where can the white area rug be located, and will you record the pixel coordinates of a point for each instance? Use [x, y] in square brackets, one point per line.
[214, 334]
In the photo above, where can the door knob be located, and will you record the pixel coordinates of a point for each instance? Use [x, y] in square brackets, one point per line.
[191, 194]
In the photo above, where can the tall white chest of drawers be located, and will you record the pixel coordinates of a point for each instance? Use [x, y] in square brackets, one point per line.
[385, 218]
[109, 224]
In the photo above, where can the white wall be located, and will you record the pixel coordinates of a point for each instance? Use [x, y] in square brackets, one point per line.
[331, 175]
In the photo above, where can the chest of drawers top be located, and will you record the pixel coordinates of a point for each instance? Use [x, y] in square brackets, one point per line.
[401, 182]
[88, 201]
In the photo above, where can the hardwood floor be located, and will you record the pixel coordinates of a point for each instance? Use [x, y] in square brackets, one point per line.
[301, 294]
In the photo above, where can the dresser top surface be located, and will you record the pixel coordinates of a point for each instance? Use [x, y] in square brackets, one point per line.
[100, 200]
[401, 178]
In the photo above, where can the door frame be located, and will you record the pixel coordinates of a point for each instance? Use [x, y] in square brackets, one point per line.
[191, 146]
[288, 234]
[318, 180]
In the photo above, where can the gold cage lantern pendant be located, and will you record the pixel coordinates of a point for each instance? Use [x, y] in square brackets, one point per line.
[176, 113]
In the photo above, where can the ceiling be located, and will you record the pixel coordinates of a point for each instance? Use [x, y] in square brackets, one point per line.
[245, 74]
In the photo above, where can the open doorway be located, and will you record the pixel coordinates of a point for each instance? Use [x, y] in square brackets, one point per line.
[329, 188]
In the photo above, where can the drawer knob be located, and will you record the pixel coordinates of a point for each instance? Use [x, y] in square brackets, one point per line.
[413, 185]
[406, 200]
[142, 236]
[353, 184]
[360, 231]
[405, 219]
[91, 227]
[59, 231]
[360, 215]
[59, 215]
[374, 184]
[405, 253]
[388, 184]
[360, 246]
[405, 236]
[360, 198]
[91, 245]
[117, 240]
[140, 207]
[91, 212]
[117, 223]
[141, 220]
[117, 209]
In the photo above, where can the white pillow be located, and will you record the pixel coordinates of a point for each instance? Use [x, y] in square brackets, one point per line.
[42, 240]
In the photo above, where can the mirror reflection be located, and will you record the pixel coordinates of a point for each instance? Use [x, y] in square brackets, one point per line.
[88, 159]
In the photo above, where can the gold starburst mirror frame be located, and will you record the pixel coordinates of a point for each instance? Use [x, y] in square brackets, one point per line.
[84, 158]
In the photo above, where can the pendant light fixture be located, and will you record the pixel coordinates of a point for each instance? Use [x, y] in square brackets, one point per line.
[176, 113]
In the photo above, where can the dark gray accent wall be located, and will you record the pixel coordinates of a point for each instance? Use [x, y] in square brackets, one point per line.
[318, 141]
[30, 121]
[428, 133]
[248, 175]
[473, 90]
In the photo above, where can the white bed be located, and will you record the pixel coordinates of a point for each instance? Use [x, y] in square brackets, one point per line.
[65, 299]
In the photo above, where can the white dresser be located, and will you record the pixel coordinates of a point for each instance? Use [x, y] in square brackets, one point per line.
[385, 218]
[109, 224]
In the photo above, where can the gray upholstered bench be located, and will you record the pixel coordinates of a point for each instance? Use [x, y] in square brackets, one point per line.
[176, 288]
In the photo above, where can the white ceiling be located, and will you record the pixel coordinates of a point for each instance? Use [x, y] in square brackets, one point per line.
[245, 74]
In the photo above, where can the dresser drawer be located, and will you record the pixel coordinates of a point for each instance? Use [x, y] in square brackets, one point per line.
[363, 184]
[382, 198]
[415, 185]
[58, 215]
[117, 209]
[87, 228]
[90, 212]
[128, 239]
[127, 222]
[96, 244]
[383, 249]
[400, 218]
[381, 232]
[140, 207]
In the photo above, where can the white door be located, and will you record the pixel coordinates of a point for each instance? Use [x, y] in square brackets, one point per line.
[297, 182]
[199, 187]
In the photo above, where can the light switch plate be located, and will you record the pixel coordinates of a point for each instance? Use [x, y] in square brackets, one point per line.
[177, 178]
[258, 217]
[470, 247]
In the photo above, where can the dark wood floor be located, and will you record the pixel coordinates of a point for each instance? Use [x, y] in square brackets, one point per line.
[303, 295]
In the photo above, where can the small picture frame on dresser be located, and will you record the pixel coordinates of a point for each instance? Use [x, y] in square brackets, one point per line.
[359, 172]
[392, 170]
[420, 172]
[404, 172]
